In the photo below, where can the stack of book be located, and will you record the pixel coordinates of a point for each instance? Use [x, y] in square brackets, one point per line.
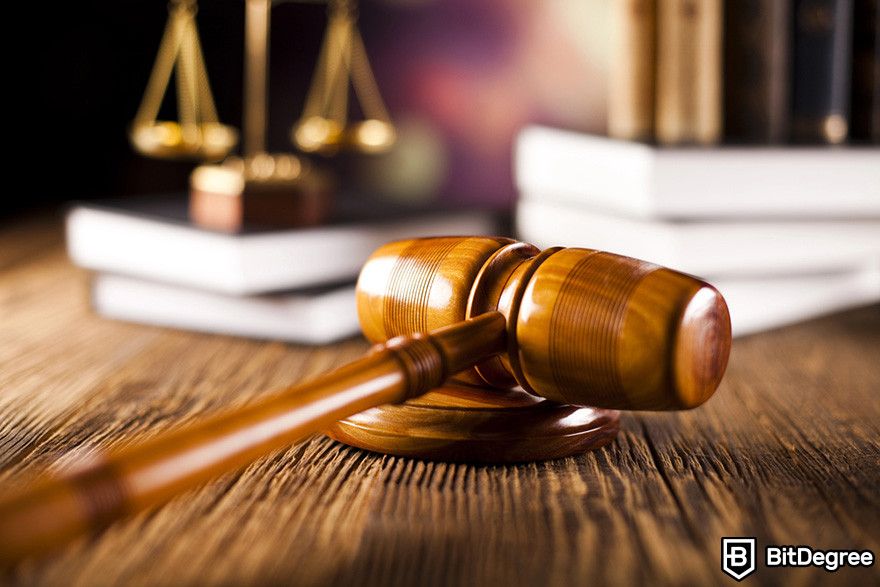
[752, 71]
[728, 154]
[152, 265]
[784, 233]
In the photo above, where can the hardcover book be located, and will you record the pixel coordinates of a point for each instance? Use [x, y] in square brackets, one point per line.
[705, 248]
[691, 183]
[689, 71]
[866, 72]
[152, 238]
[756, 70]
[632, 75]
[770, 274]
[316, 316]
[764, 302]
[821, 70]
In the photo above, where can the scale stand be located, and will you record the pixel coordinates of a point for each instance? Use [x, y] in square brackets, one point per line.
[264, 189]
[260, 188]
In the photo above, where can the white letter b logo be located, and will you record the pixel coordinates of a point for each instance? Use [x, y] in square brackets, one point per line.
[738, 557]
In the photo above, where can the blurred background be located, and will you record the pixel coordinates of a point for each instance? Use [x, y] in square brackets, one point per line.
[460, 78]
[736, 141]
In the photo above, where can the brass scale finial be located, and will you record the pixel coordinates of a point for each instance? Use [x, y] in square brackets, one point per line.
[324, 126]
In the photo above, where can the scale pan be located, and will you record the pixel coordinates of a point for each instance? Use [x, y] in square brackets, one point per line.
[164, 139]
[371, 136]
[316, 134]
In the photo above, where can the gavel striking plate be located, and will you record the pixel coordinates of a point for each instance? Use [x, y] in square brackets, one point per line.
[486, 350]
[582, 328]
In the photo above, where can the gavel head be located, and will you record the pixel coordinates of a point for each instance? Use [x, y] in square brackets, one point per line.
[584, 327]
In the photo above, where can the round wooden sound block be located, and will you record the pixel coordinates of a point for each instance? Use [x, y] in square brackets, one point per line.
[465, 423]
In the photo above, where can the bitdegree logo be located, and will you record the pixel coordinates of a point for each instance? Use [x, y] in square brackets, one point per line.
[738, 557]
[804, 556]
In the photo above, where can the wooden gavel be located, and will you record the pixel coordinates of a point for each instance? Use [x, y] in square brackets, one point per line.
[575, 326]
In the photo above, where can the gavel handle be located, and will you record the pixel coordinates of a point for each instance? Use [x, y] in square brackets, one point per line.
[150, 472]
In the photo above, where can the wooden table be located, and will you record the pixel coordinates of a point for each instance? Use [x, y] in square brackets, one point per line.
[787, 451]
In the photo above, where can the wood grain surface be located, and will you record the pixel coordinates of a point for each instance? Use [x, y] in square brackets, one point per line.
[786, 451]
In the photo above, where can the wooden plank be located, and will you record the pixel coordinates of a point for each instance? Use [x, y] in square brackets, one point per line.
[787, 451]
[25, 237]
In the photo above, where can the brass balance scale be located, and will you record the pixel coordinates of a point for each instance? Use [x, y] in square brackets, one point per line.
[324, 126]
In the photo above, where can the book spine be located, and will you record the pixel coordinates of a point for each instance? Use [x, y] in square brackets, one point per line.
[631, 79]
[756, 70]
[821, 71]
[689, 65]
[866, 71]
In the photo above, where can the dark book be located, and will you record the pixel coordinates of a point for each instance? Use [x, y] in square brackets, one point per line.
[866, 72]
[756, 71]
[821, 70]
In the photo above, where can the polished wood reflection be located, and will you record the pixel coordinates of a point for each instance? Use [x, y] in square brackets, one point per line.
[458, 422]
[575, 326]
[584, 327]
[58, 509]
